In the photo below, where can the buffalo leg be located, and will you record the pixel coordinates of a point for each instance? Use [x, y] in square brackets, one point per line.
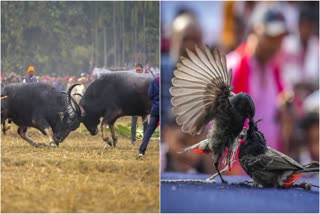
[22, 131]
[134, 120]
[105, 138]
[46, 130]
[110, 119]
[113, 134]
[5, 128]
[49, 133]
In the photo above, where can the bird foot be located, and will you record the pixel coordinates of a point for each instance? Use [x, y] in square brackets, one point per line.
[303, 185]
[224, 181]
[244, 183]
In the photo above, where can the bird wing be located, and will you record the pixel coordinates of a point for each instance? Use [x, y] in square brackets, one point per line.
[286, 158]
[200, 84]
[270, 161]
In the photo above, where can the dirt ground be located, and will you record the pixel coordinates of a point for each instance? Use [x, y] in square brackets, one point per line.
[79, 176]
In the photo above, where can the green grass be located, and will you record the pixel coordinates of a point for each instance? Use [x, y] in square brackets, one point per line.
[79, 176]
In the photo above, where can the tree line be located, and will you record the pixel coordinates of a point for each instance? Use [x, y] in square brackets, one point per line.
[73, 37]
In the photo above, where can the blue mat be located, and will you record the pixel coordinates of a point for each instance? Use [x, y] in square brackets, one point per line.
[203, 197]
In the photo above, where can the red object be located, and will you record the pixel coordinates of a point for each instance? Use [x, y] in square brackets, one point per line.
[241, 76]
[291, 179]
[201, 151]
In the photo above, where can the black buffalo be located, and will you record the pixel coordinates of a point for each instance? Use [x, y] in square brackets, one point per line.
[112, 96]
[40, 106]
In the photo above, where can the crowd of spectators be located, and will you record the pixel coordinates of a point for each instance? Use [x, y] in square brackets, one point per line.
[61, 83]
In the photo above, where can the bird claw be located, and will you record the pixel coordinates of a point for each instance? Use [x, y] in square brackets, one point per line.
[303, 185]
[224, 181]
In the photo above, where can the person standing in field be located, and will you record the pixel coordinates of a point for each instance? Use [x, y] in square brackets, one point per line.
[153, 93]
[31, 78]
[134, 119]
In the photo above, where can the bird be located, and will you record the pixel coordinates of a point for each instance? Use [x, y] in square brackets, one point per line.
[267, 166]
[202, 94]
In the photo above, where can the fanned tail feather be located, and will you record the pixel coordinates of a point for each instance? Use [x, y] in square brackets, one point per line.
[202, 145]
[201, 81]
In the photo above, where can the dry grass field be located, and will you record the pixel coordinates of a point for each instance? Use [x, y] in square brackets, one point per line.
[79, 176]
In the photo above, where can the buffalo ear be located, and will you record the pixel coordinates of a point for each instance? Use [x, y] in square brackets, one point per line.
[61, 115]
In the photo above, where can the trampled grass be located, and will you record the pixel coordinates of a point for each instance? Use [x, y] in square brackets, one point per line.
[79, 176]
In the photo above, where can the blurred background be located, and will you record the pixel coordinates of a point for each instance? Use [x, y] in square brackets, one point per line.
[68, 42]
[273, 50]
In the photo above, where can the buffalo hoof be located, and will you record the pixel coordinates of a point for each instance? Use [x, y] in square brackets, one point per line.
[5, 129]
[54, 145]
[108, 141]
[115, 141]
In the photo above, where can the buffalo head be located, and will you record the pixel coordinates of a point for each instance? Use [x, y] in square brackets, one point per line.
[68, 120]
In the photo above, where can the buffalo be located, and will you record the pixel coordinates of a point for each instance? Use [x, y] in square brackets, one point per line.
[40, 106]
[112, 96]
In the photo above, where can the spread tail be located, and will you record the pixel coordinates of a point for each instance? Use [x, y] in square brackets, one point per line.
[201, 147]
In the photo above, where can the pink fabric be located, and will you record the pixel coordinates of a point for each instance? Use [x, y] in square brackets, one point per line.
[262, 86]
[263, 91]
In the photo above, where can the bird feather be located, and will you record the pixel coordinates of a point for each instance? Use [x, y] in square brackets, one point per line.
[200, 84]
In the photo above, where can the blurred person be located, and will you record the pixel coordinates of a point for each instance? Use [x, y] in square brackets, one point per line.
[309, 125]
[185, 33]
[37, 78]
[54, 81]
[311, 103]
[256, 72]
[134, 119]
[31, 78]
[61, 83]
[139, 68]
[45, 79]
[300, 54]
[242, 12]
[229, 36]
[174, 141]
[72, 80]
[4, 80]
[13, 78]
[310, 142]
[153, 93]
[300, 72]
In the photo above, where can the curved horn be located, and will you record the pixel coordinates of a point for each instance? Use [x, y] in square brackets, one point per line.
[72, 102]
[77, 110]
[69, 91]
[80, 95]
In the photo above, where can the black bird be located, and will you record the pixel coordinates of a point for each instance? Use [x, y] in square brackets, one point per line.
[267, 166]
[202, 93]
